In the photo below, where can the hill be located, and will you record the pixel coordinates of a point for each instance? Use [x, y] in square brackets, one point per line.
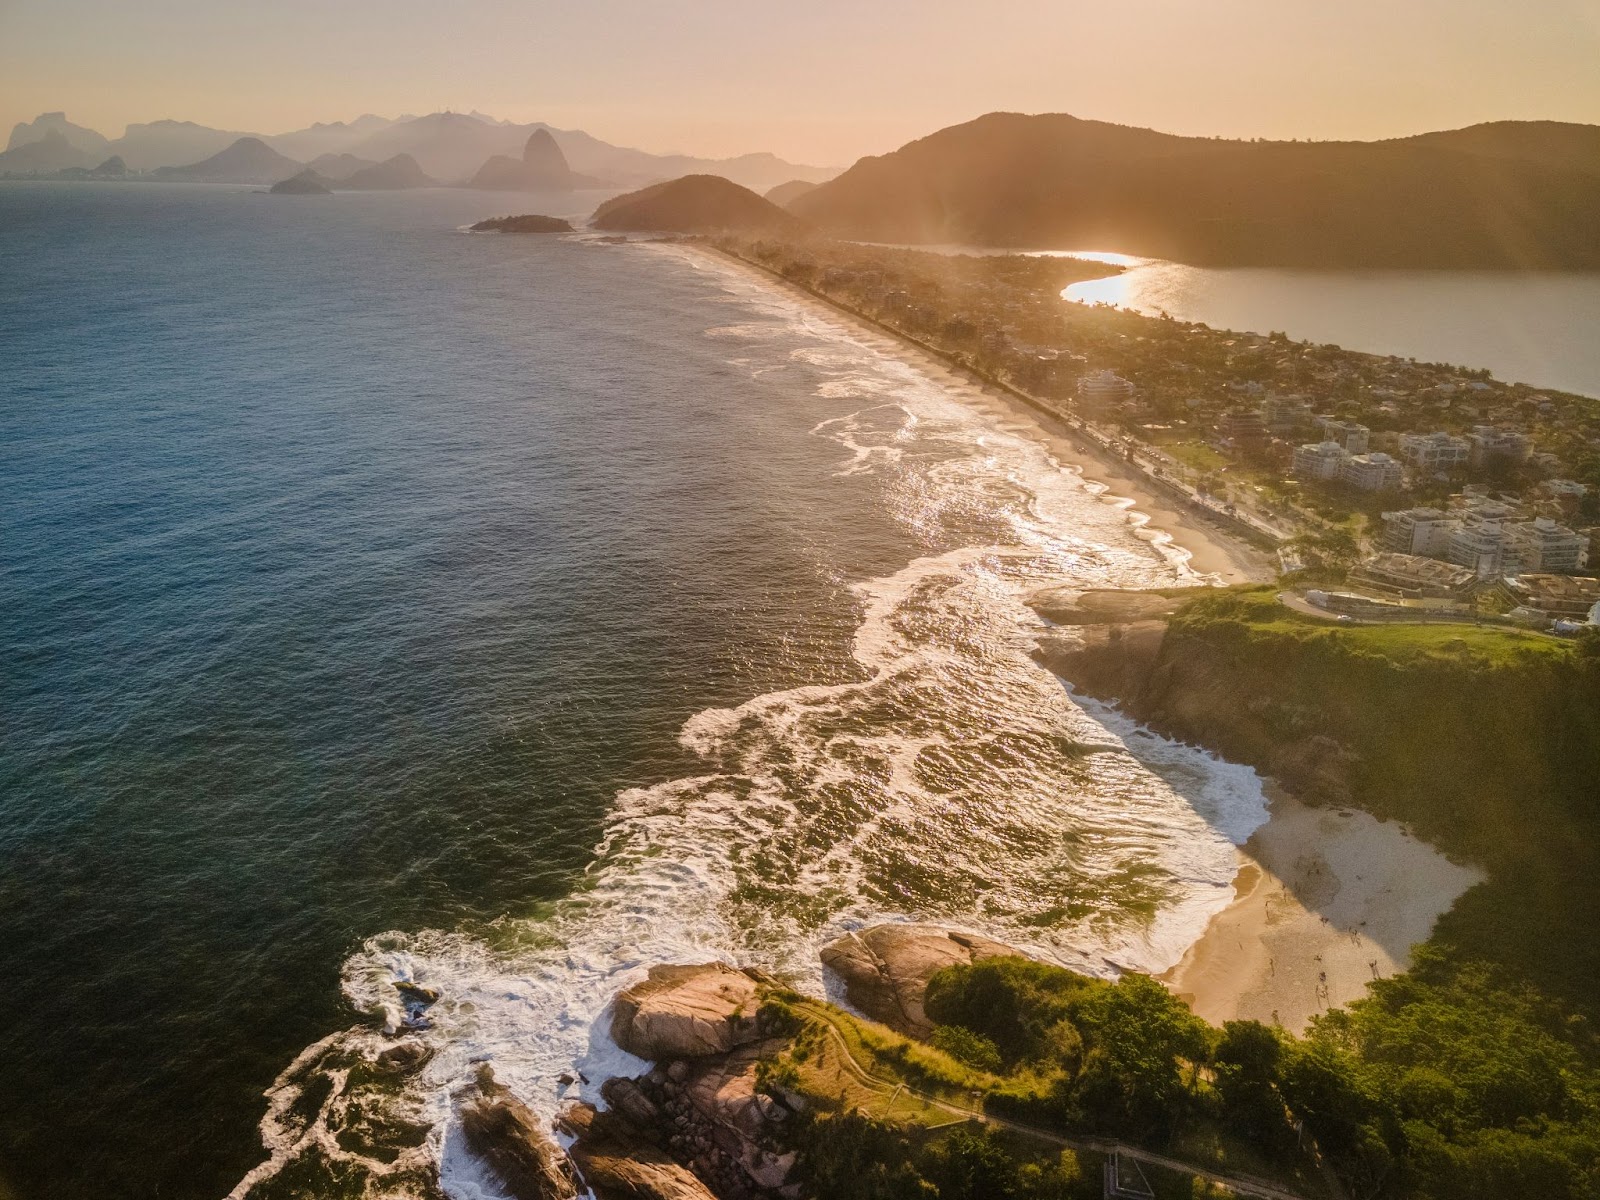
[307, 183]
[786, 193]
[1512, 195]
[248, 160]
[393, 174]
[170, 143]
[696, 204]
[338, 166]
[542, 168]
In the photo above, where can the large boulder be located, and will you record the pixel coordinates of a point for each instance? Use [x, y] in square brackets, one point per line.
[619, 1162]
[885, 969]
[686, 1012]
[511, 1140]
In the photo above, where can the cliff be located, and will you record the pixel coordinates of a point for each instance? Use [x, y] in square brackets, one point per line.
[1486, 741]
[1514, 195]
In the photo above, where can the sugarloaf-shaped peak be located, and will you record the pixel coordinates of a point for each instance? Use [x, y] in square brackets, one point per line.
[542, 153]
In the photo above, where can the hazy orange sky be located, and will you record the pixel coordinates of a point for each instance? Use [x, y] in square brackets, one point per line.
[822, 81]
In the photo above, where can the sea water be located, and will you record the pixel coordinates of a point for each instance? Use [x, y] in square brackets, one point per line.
[383, 603]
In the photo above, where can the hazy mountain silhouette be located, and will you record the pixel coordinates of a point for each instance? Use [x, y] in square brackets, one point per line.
[170, 144]
[695, 204]
[449, 147]
[393, 174]
[50, 153]
[248, 160]
[307, 183]
[1508, 195]
[78, 137]
[338, 166]
[786, 192]
[328, 137]
[542, 168]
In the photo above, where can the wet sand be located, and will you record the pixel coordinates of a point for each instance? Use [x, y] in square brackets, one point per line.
[1326, 901]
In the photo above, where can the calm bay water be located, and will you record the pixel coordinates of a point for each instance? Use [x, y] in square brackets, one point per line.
[384, 603]
[1540, 328]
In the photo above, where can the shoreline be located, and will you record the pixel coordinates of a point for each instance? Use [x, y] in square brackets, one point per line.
[1211, 551]
[1326, 900]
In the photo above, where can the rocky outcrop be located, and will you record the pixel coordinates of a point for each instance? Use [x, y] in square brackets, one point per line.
[686, 1012]
[527, 223]
[391, 175]
[885, 969]
[511, 1140]
[542, 168]
[618, 1161]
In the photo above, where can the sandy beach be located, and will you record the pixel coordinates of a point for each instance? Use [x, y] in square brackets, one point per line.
[1211, 550]
[1326, 901]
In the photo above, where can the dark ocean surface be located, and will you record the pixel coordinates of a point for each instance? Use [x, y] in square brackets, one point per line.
[382, 602]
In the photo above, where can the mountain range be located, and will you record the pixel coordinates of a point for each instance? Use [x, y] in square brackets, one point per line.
[448, 146]
[1508, 194]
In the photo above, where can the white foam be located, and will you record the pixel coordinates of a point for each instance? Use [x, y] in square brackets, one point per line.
[946, 782]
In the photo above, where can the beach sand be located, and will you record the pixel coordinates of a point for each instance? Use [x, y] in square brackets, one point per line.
[1326, 901]
[1212, 551]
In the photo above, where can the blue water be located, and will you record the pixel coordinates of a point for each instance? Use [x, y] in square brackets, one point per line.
[362, 575]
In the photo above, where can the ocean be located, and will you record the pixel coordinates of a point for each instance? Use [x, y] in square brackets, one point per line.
[384, 603]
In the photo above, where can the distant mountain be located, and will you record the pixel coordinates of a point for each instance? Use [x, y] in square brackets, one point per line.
[170, 143]
[325, 138]
[338, 166]
[307, 183]
[448, 146]
[51, 153]
[696, 204]
[112, 168]
[542, 168]
[784, 193]
[248, 160]
[1556, 144]
[454, 146]
[393, 174]
[94, 145]
[1510, 196]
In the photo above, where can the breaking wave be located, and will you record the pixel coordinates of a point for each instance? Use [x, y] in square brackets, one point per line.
[950, 778]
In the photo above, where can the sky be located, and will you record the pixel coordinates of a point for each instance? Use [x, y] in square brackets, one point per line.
[822, 81]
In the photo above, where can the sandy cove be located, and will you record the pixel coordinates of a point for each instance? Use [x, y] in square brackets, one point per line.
[1326, 901]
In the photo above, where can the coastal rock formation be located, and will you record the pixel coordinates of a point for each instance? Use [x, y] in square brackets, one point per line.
[112, 168]
[619, 1162]
[511, 1140]
[885, 969]
[307, 183]
[686, 1012]
[338, 167]
[527, 223]
[696, 204]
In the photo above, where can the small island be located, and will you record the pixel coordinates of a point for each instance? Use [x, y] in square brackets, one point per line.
[527, 223]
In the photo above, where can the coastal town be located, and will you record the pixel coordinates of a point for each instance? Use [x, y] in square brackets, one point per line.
[1387, 488]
